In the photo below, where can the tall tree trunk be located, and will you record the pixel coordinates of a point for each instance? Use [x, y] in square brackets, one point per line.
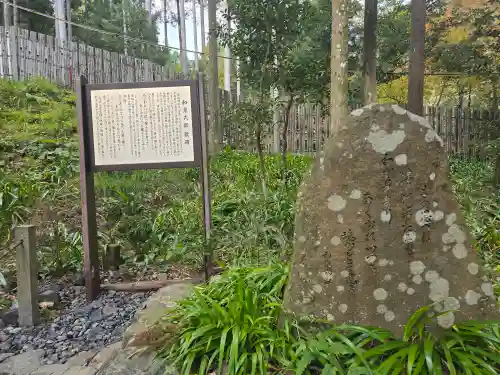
[370, 53]
[338, 66]
[494, 107]
[215, 135]
[181, 16]
[227, 54]
[195, 32]
[15, 13]
[417, 50]
[165, 22]
[148, 5]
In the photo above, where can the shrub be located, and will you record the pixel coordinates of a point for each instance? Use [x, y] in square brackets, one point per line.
[231, 326]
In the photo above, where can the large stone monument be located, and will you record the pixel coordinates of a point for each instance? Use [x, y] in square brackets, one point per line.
[379, 232]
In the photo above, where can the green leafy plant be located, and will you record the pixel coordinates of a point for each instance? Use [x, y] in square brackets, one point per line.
[467, 348]
[231, 324]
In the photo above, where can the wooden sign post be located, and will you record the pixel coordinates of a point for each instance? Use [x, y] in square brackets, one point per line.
[130, 126]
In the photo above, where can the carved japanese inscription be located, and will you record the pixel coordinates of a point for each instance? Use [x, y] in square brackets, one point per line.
[379, 232]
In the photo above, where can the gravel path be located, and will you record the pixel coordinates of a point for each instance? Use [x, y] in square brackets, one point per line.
[80, 327]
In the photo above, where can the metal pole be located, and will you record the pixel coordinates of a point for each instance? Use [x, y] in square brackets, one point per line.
[205, 181]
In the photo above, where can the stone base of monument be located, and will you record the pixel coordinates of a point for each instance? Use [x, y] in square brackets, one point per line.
[379, 232]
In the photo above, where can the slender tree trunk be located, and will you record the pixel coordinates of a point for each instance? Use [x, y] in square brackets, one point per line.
[338, 66]
[165, 22]
[227, 54]
[15, 13]
[370, 53]
[68, 17]
[417, 68]
[181, 14]
[202, 25]
[148, 5]
[284, 133]
[195, 32]
[215, 135]
[494, 107]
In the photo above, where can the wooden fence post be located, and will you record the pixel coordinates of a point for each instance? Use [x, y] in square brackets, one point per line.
[27, 275]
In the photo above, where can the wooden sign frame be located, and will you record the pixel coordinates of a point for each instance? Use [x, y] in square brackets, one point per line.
[88, 165]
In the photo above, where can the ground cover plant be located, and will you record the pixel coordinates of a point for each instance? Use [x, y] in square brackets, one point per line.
[231, 326]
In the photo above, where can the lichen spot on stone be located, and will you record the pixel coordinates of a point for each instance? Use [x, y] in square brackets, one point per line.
[417, 267]
[432, 176]
[457, 233]
[340, 288]
[473, 268]
[317, 243]
[487, 289]
[439, 290]
[340, 219]
[423, 217]
[389, 316]
[317, 288]
[335, 241]
[301, 239]
[344, 273]
[409, 237]
[370, 259]
[446, 248]
[438, 215]
[380, 294]
[459, 251]
[388, 277]
[375, 128]
[431, 276]
[326, 275]
[357, 112]
[336, 203]
[472, 297]
[410, 291]
[446, 320]
[431, 135]
[343, 308]
[382, 142]
[451, 303]
[417, 279]
[398, 110]
[381, 309]
[330, 317]
[402, 287]
[435, 204]
[451, 218]
[383, 262]
[355, 194]
[385, 216]
[401, 159]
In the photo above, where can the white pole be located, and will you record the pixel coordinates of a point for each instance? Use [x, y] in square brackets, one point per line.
[196, 62]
